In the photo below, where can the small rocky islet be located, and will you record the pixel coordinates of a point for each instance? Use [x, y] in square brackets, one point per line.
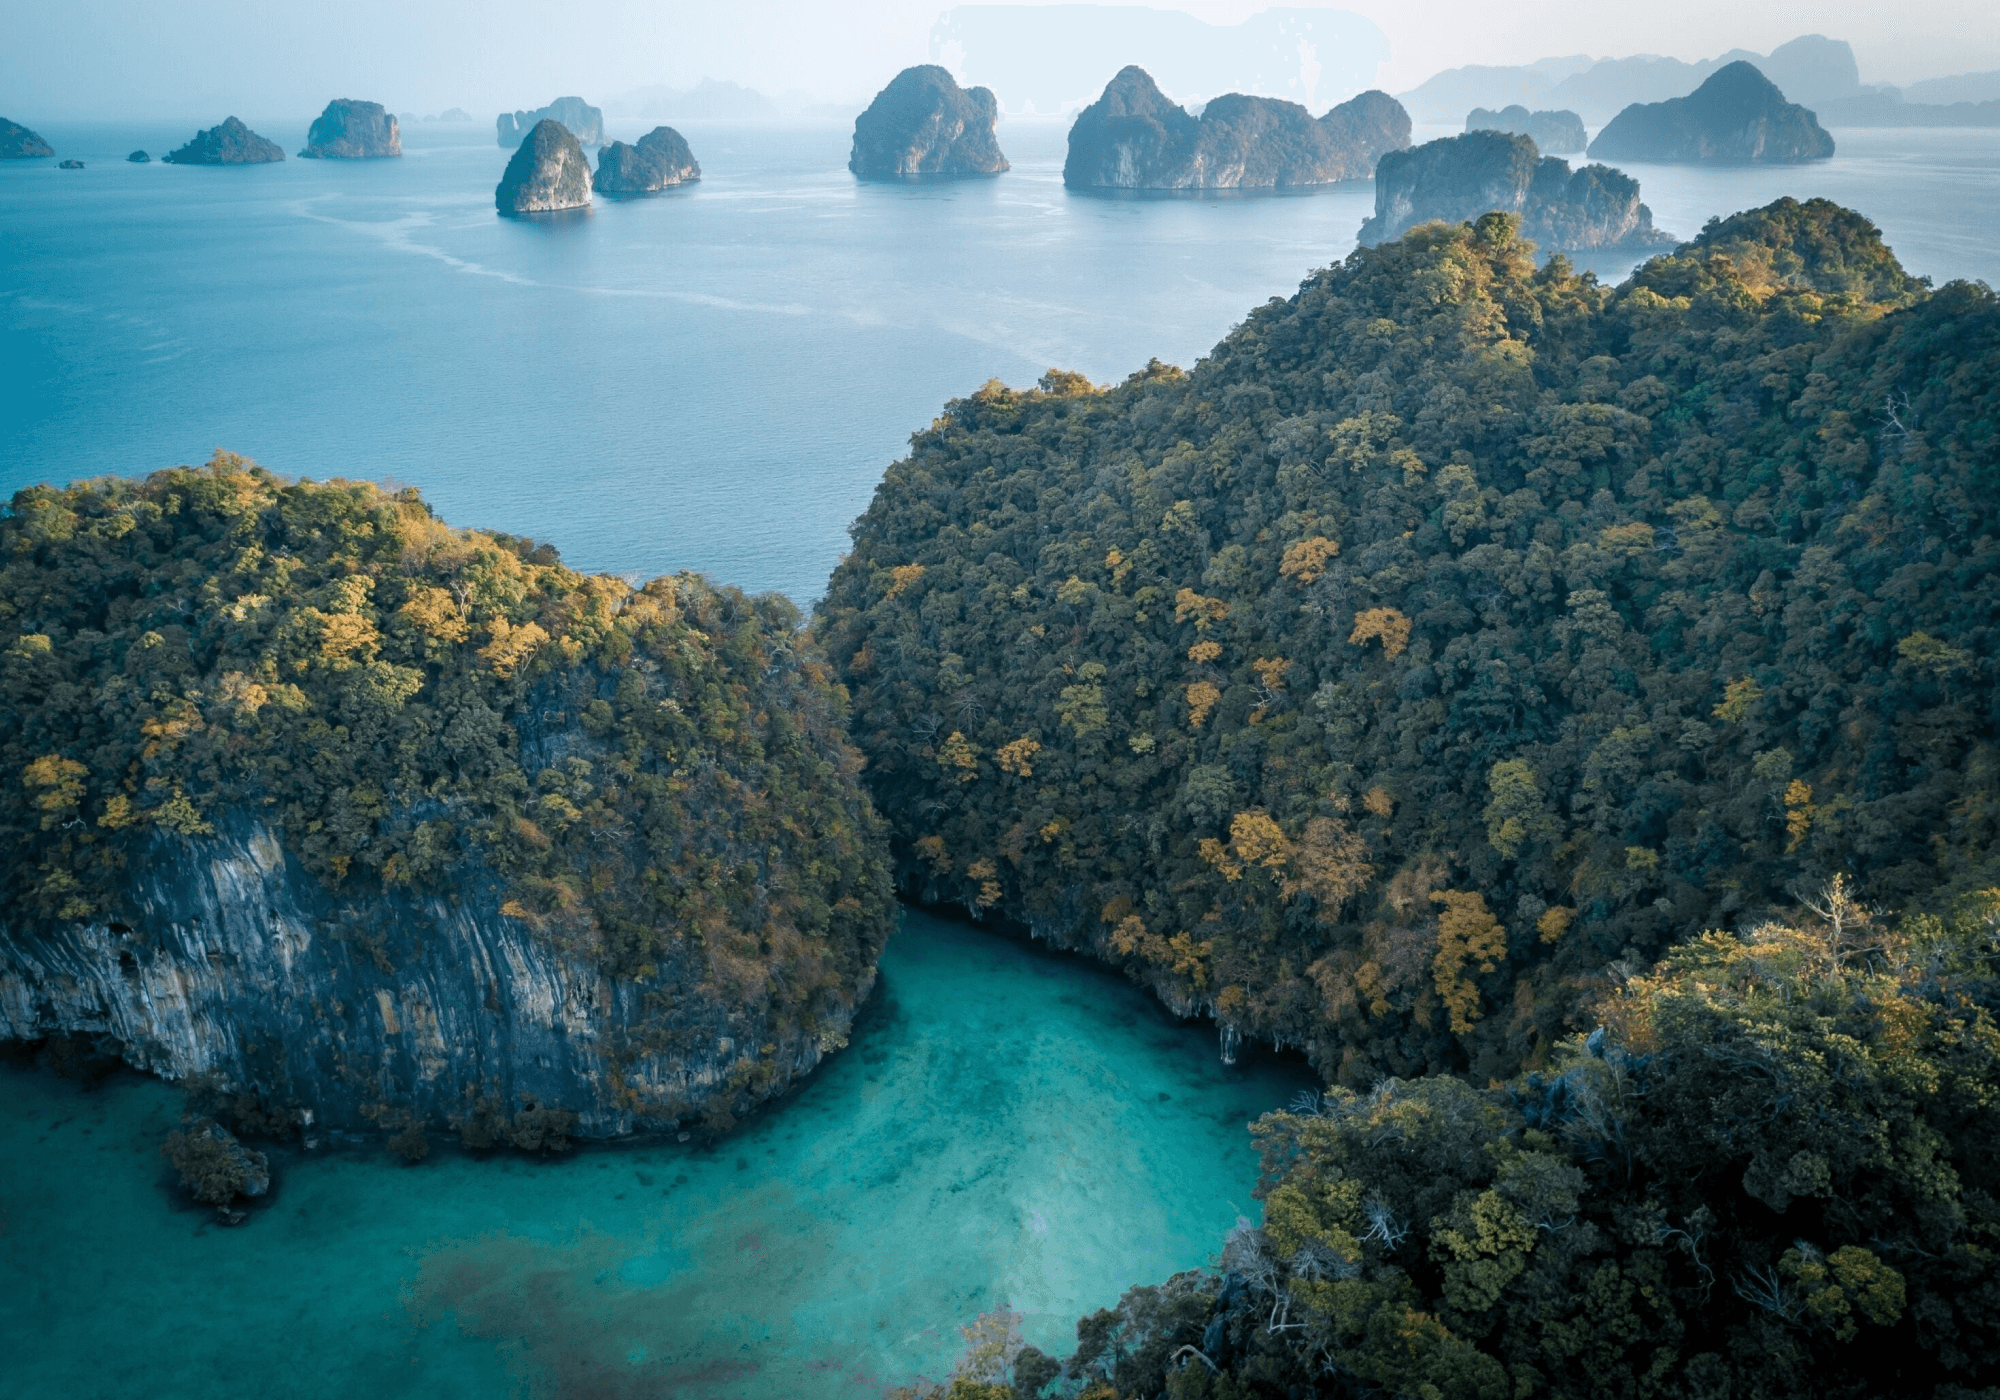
[1459, 178]
[924, 125]
[579, 118]
[547, 175]
[659, 160]
[19, 143]
[1738, 115]
[1554, 133]
[230, 143]
[1135, 137]
[352, 130]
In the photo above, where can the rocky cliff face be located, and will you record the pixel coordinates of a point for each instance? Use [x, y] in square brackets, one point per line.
[241, 965]
[351, 130]
[660, 160]
[19, 143]
[550, 172]
[1558, 133]
[924, 124]
[231, 143]
[1462, 177]
[585, 122]
[1737, 115]
[1134, 137]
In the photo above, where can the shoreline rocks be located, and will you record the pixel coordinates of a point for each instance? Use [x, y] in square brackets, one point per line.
[1136, 138]
[923, 124]
[1459, 178]
[19, 143]
[660, 160]
[548, 174]
[579, 118]
[231, 143]
[1738, 115]
[1554, 133]
[352, 130]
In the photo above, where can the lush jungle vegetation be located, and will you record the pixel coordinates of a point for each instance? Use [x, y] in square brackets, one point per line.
[1455, 639]
[649, 774]
[1772, 1172]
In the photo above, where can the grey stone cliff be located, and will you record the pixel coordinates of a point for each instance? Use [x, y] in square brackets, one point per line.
[1460, 178]
[231, 143]
[243, 966]
[585, 122]
[1135, 138]
[19, 143]
[925, 124]
[1555, 133]
[550, 172]
[351, 130]
[661, 159]
[1738, 115]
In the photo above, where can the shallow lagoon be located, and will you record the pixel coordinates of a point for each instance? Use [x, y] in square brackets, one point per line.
[1009, 1126]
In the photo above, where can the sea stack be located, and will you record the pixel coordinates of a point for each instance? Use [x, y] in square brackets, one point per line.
[351, 130]
[19, 143]
[1134, 137]
[548, 173]
[583, 121]
[139, 158]
[1738, 115]
[660, 160]
[231, 143]
[1554, 133]
[924, 125]
[1460, 178]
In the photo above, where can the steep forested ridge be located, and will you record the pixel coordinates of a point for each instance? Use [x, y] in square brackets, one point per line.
[651, 775]
[1456, 637]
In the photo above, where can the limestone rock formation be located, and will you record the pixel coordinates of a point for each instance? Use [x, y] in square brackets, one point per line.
[19, 143]
[661, 159]
[1554, 133]
[585, 122]
[1134, 137]
[71, 164]
[351, 130]
[139, 158]
[231, 143]
[1460, 178]
[925, 124]
[549, 172]
[1737, 115]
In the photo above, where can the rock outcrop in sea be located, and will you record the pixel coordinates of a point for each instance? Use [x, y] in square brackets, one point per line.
[19, 143]
[1738, 115]
[660, 159]
[351, 130]
[139, 158]
[1134, 137]
[1459, 178]
[1554, 133]
[925, 125]
[550, 172]
[71, 164]
[231, 143]
[585, 122]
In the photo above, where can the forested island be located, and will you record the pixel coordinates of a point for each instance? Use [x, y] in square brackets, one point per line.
[583, 121]
[924, 125]
[351, 130]
[1412, 684]
[19, 143]
[659, 161]
[1462, 177]
[1558, 132]
[380, 824]
[231, 143]
[1134, 137]
[549, 173]
[1738, 114]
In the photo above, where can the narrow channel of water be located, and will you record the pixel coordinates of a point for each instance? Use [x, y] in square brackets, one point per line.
[1009, 1126]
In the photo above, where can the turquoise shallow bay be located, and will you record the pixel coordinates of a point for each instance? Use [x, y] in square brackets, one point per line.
[1009, 1126]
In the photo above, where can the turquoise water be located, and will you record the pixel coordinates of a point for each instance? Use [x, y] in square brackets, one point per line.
[1008, 1126]
[713, 379]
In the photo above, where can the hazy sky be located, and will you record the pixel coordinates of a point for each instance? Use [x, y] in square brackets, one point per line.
[198, 58]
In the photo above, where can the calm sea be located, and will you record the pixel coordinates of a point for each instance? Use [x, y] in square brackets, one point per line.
[712, 379]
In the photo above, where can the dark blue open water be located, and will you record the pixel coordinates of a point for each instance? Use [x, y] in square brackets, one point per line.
[713, 380]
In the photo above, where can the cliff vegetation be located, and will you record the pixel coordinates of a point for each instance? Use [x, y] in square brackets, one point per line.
[1456, 635]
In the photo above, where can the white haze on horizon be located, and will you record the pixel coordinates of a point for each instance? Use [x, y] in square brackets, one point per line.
[203, 59]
